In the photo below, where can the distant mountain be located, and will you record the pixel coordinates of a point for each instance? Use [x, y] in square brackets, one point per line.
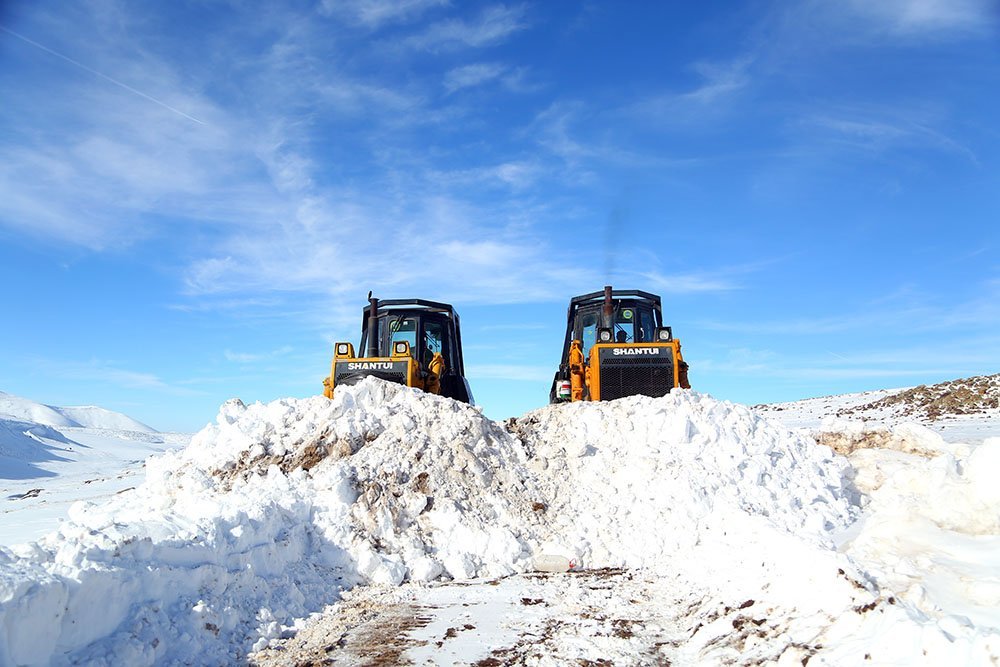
[16, 408]
[91, 416]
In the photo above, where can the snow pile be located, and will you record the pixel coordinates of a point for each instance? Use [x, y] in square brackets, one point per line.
[739, 510]
[221, 548]
[272, 512]
[847, 436]
[931, 530]
[638, 481]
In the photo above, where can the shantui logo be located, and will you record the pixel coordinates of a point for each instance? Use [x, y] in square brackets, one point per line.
[635, 350]
[369, 366]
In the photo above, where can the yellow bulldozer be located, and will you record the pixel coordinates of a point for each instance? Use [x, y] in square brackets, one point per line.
[413, 342]
[616, 345]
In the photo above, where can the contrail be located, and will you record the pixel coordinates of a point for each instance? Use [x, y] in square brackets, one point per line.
[103, 76]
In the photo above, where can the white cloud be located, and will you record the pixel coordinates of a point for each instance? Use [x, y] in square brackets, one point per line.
[253, 357]
[881, 129]
[687, 283]
[923, 17]
[468, 76]
[720, 83]
[493, 25]
[376, 13]
[110, 373]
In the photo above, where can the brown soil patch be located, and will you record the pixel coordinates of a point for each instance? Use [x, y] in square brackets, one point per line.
[973, 395]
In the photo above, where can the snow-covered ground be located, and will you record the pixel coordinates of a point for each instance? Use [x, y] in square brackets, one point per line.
[948, 408]
[395, 525]
[52, 457]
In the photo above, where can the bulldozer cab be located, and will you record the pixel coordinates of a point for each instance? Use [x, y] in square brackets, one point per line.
[616, 345]
[633, 321]
[411, 341]
[426, 332]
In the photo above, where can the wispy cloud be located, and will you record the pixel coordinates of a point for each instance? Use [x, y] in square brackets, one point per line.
[376, 13]
[720, 84]
[116, 82]
[111, 373]
[687, 283]
[253, 357]
[879, 129]
[468, 76]
[909, 18]
[911, 317]
[493, 25]
[720, 80]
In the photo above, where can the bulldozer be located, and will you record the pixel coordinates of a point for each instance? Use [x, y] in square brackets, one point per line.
[414, 342]
[616, 345]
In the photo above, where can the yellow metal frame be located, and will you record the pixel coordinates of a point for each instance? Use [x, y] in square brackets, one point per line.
[432, 384]
[585, 378]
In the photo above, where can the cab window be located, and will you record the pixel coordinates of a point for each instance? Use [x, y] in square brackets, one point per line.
[403, 328]
[646, 327]
[625, 326]
[433, 340]
[588, 331]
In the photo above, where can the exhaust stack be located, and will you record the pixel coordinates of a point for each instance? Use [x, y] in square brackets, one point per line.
[608, 311]
[372, 350]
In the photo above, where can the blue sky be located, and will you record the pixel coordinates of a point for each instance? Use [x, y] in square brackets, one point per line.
[195, 197]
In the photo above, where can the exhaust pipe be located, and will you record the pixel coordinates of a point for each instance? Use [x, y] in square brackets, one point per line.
[608, 312]
[372, 350]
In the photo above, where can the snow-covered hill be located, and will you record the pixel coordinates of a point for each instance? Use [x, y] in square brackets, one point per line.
[86, 416]
[700, 532]
[52, 457]
[964, 410]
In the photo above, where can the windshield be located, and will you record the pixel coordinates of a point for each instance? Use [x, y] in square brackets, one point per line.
[631, 324]
[403, 328]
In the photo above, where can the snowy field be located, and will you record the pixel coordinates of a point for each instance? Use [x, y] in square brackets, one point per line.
[395, 527]
[52, 457]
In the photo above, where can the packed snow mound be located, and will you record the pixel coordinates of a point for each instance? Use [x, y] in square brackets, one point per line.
[263, 519]
[637, 480]
[270, 513]
[846, 437]
[429, 476]
[17, 408]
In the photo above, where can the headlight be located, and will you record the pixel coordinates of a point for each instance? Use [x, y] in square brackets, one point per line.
[342, 349]
[664, 334]
[401, 348]
[604, 335]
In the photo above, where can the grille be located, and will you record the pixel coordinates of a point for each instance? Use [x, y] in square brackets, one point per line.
[630, 376]
[345, 376]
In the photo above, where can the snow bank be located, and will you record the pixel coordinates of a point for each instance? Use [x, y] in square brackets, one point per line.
[931, 531]
[637, 481]
[264, 518]
[272, 512]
